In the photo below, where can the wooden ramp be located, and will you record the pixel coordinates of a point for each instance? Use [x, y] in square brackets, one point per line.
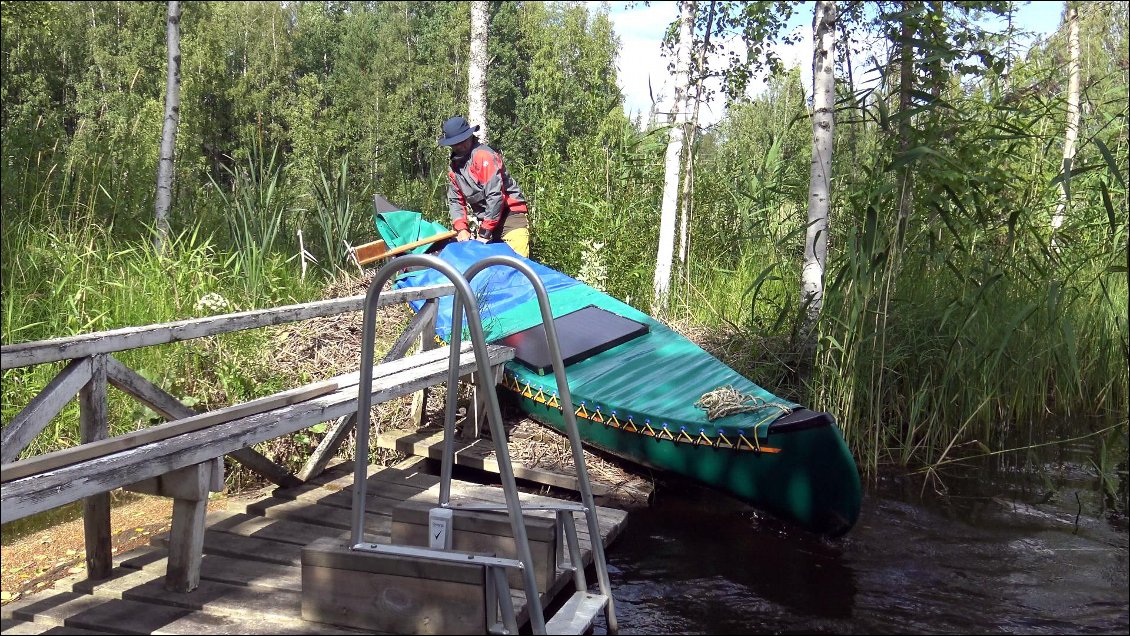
[250, 575]
[627, 492]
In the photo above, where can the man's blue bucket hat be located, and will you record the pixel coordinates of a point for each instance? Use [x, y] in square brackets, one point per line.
[456, 130]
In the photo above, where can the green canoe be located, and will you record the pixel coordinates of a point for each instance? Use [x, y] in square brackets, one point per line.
[637, 390]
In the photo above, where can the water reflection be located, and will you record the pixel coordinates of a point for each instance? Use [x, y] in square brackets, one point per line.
[987, 558]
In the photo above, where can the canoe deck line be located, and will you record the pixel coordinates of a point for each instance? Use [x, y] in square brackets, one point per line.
[639, 395]
[251, 579]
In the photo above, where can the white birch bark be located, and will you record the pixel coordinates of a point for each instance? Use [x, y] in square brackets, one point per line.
[819, 187]
[169, 130]
[687, 202]
[1072, 132]
[477, 69]
[670, 201]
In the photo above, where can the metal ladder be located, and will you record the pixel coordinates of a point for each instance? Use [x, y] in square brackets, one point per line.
[577, 613]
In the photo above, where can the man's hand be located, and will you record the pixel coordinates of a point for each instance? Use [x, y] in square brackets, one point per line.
[463, 235]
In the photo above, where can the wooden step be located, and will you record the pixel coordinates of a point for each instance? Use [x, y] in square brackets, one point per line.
[577, 614]
[20, 628]
[476, 453]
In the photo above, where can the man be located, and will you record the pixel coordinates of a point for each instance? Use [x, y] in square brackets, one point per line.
[479, 187]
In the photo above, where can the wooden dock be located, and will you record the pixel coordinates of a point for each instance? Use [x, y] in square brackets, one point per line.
[251, 575]
[629, 492]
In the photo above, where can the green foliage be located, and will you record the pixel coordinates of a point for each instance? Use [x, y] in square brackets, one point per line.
[955, 329]
[335, 215]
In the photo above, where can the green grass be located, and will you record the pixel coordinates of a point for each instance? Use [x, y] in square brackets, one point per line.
[924, 359]
[923, 362]
[63, 278]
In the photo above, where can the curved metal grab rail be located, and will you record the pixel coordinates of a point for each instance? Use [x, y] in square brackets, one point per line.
[573, 432]
[463, 296]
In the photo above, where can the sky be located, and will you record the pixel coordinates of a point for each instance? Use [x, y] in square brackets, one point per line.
[641, 31]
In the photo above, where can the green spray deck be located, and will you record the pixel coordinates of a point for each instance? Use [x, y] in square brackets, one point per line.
[637, 400]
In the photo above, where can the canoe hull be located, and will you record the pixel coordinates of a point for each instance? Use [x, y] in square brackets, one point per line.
[643, 397]
[805, 475]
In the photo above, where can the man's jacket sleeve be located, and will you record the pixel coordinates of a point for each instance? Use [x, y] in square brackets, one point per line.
[456, 206]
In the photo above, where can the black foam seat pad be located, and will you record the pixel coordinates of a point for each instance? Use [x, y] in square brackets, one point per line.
[582, 334]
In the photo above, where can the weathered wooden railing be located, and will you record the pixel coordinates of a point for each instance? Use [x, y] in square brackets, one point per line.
[183, 459]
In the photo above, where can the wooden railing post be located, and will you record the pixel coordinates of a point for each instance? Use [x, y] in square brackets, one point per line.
[427, 343]
[96, 508]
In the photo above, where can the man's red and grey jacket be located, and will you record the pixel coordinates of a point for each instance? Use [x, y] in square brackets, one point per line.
[479, 185]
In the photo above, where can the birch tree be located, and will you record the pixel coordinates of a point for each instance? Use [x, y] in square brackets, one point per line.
[1072, 132]
[906, 85]
[670, 201]
[819, 186]
[686, 203]
[477, 69]
[169, 130]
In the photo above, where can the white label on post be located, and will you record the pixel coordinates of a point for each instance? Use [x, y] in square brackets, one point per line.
[439, 528]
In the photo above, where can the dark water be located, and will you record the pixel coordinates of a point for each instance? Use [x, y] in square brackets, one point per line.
[988, 557]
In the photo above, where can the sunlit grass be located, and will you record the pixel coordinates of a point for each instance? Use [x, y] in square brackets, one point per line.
[63, 278]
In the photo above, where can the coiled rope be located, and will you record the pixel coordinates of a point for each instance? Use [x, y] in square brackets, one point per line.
[727, 400]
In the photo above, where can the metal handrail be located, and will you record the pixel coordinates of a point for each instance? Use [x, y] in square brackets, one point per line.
[573, 432]
[463, 296]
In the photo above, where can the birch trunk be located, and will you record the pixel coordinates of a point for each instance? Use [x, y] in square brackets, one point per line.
[819, 187]
[670, 200]
[692, 132]
[1072, 132]
[906, 84]
[477, 69]
[169, 130]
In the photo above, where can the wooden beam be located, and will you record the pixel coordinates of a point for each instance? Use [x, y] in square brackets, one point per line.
[326, 449]
[171, 408]
[29, 353]
[186, 535]
[341, 428]
[423, 319]
[420, 398]
[182, 483]
[198, 421]
[262, 465]
[93, 428]
[43, 408]
[36, 493]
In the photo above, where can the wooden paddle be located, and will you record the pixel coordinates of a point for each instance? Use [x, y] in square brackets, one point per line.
[375, 251]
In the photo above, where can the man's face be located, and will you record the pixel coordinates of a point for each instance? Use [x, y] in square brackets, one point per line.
[463, 147]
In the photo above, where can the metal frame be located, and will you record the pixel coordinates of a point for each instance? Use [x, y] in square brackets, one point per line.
[573, 432]
[496, 580]
[463, 296]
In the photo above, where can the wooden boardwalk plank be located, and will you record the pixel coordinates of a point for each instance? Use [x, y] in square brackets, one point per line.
[376, 522]
[282, 530]
[250, 548]
[383, 488]
[412, 472]
[376, 496]
[475, 453]
[251, 575]
[120, 616]
[222, 569]
[216, 598]
[22, 628]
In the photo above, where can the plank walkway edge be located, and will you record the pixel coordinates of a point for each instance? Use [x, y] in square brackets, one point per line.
[251, 573]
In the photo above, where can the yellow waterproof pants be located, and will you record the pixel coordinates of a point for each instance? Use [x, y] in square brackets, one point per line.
[519, 240]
